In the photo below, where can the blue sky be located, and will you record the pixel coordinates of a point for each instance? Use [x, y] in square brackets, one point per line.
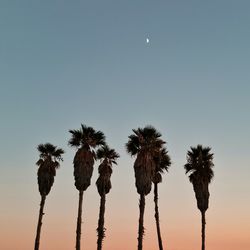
[64, 63]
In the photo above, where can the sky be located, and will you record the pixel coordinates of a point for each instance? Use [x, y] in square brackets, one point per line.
[63, 63]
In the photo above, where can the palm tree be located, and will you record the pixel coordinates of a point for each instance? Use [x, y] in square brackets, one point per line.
[50, 156]
[199, 166]
[108, 157]
[145, 144]
[86, 139]
[162, 164]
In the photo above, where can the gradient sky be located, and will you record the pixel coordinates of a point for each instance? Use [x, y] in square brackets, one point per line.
[63, 63]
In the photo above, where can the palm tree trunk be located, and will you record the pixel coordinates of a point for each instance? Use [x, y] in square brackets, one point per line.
[39, 224]
[101, 229]
[141, 228]
[157, 216]
[203, 222]
[79, 222]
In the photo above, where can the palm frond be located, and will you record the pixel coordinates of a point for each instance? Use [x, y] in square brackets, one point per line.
[41, 148]
[57, 154]
[50, 148]
[39, 162]
[49, 151]
[133, 145]
[56, 164]
[114, 162]
[99, 138]
[150, 132]
[189, 168]
[165, 160]
[75, 140]
[86, 137]
[87, 131]
[106, 153]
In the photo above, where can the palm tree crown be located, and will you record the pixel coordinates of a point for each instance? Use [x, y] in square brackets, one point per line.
[163, 163]
[145, 143]
[108, 157]
[50, 156]
[105, 153]
[147, 138]
[86, 139]
[199, 164]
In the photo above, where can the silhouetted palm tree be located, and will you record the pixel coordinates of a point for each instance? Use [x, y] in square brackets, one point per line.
[108, 157]
[199, 165]
[145, 143]
[86, 139]
[50, 156]
[162, 164]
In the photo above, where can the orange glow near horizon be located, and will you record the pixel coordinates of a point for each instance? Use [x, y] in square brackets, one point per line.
[179, 232]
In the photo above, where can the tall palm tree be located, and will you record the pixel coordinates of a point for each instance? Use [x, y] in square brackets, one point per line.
[199, 166]
[145, 144]
[108, 157]
[50, 156]
[85, 139]
[162, 164]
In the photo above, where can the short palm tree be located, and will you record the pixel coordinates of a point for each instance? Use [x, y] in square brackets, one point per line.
[199, 166]
[50, 156]
[86, 139]
[145, 143]
[162, 164]
[108, 157]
